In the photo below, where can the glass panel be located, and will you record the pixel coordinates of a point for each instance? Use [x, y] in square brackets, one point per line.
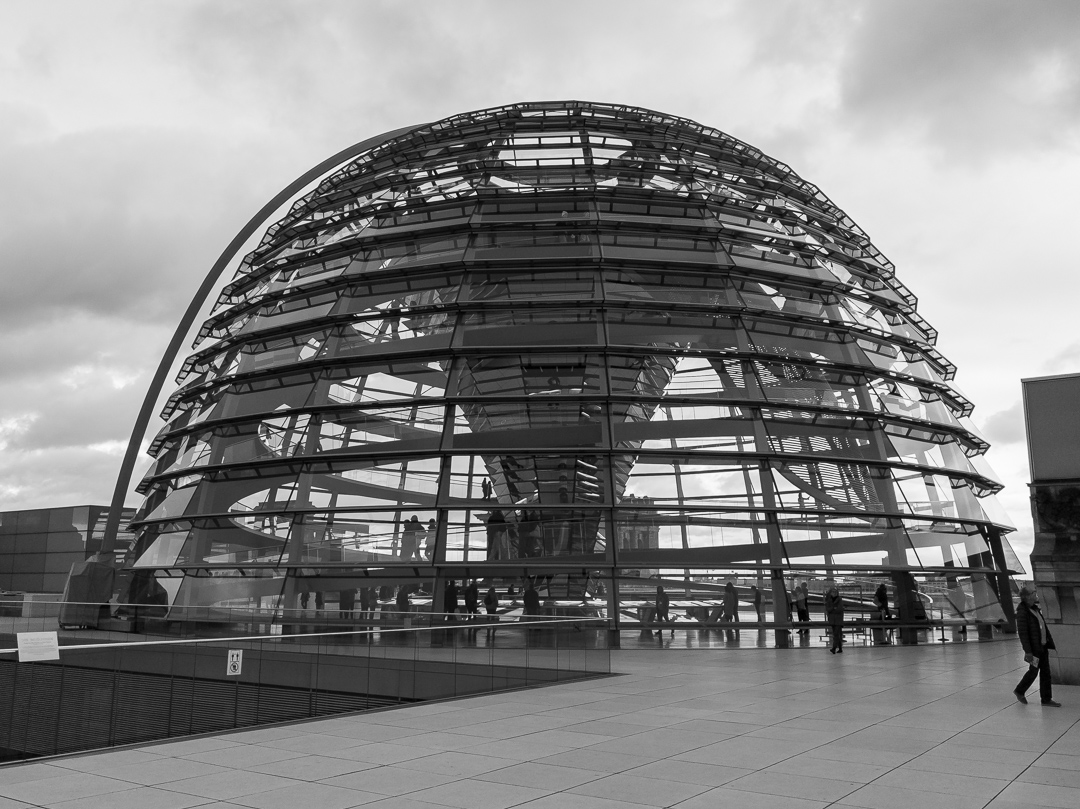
[691, 480]
[537, 424]
[418, 252]
[659, 247]
[387, 382]
[798, 341]
[163, 551]
[410, 292]
[701, 427]
[499, 534]
[530, 327]
[380, 335]
[843, 486]
[525, 479]
[534, 244]
[506, 285]
[825, 434]
[539, 375]
[669, 286]
[672, 330]
[799, 384]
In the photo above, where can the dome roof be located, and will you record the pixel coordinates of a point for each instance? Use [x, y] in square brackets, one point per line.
[634, 342]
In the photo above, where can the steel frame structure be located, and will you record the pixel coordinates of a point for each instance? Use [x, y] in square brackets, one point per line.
[578, 341]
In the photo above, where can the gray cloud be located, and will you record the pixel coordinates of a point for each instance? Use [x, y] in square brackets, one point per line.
[973, 76]
[53, 477]
[102, 221]
[1006, 426]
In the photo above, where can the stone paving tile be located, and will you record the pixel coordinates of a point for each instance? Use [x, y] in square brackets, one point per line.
[34, 771]
[747, 752]
[398, 802]
[724, 797]
[540, 776]
[311, 768]
[943, 783]
[1059, 761]
[973, 752]
[663, 742]
[937, 760]
[372, 733]
[188, 747]
[806, 765]
[519, 749]
[636, 789]
[460, 765]
[774, 782]
[383, 753]
[605, 727]
[568, 800]
[880, 796]
[138, 798]
[389, 781]
[99, 762]
[228, 785]
[1051, 776]
[68, 786]
[159, 771]
[1040, 795]
[599, 760]
[312, 743]
[270, 734]
[475, 794]
[242, 756]
[298, 796]
[690, 772]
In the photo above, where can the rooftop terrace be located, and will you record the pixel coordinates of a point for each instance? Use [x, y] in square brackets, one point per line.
[877, 727]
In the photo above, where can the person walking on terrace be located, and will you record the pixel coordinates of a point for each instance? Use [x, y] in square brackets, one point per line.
[731, 603]
[802, 606]
[1037, 642]
[662, 605]
[834, 614]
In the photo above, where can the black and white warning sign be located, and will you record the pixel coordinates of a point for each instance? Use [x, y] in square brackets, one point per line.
[236, 661]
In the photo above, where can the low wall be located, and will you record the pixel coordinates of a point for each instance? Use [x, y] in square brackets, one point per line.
[124, 694]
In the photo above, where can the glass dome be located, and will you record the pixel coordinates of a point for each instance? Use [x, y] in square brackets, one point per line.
[587, 343]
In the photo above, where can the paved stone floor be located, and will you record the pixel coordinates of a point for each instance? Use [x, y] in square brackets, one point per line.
[913, 727]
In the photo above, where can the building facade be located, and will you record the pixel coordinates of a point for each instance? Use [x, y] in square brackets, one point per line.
[1052, 419]
[580, 344]
[39, 546]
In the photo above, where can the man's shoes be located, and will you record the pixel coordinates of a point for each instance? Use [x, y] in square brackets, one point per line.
[1049, 703]
[1020, 697]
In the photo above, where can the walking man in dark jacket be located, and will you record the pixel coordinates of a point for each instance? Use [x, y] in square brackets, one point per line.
[1037, 643]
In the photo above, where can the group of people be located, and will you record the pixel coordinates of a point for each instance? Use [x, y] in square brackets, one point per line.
[834, 615]
[833, 609]
[532, 533]
[470, 595]
[417, 542]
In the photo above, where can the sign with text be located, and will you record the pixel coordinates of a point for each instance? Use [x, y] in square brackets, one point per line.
[236, 662]
[38, 646]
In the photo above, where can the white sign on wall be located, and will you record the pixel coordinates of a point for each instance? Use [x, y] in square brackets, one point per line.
[38, 646]
[236, 662]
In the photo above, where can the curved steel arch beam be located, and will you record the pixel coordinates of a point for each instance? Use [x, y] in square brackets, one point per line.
[123, 481]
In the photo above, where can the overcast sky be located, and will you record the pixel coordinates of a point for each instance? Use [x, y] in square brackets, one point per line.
[137, 138]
